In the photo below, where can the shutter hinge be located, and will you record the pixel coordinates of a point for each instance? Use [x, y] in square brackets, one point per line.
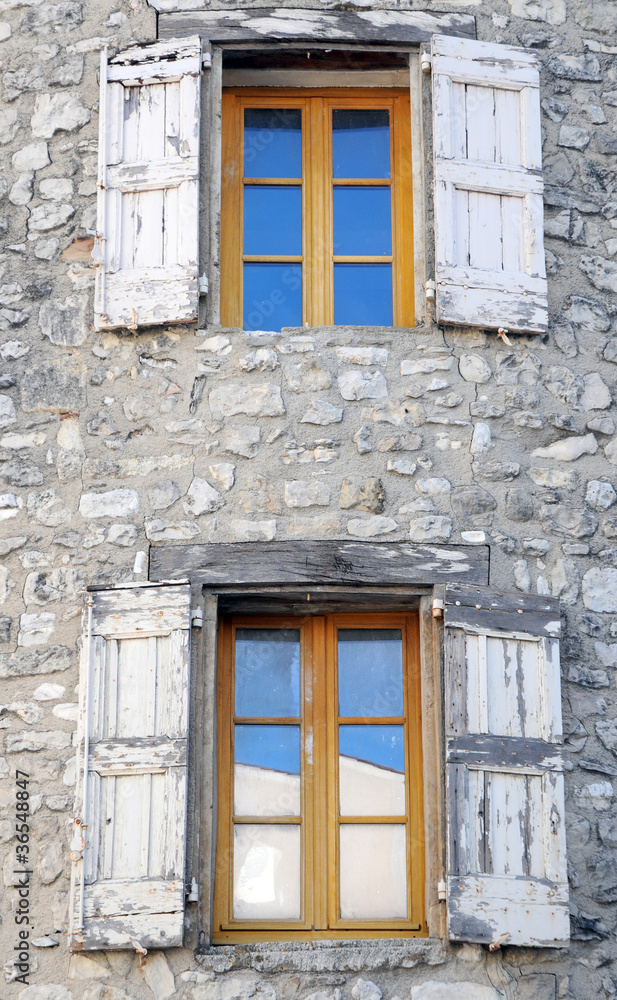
[206, 60]
[197, 618]
[203, 284]
[438, 607]
[441, 891]
[192, 895]
[430, 288]
[426, 62]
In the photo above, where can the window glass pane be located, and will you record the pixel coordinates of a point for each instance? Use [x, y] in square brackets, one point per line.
[363, 294]
[372, 770]
[373, 871]
[370, 672]
[362, 222]
[267, 771]
[361, 144]
[272, 220]
[272, 142]
[266, 872]
[267, 678]
[272, 296]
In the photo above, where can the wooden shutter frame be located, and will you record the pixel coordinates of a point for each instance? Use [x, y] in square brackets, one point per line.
[159, 293]
[153, 911]
[468, 295]
[483, 907]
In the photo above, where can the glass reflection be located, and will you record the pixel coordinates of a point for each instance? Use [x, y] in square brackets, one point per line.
[267, 771]
[272, 142]
[372, 770]
[370, 672]
[272, 296]
[272, 220]
[266, 872]
[363, 294]
[267, 673]
[361, 143]
[373, 871]
[362, 221]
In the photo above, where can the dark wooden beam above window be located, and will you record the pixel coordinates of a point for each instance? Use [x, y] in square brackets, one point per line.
[320, 562]
[276, 24]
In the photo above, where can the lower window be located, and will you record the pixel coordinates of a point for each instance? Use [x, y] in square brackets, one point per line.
[320, 830]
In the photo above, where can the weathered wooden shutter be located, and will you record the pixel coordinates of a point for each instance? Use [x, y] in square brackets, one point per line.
[128, 871]
[489, 260]
[148, 206]
[507, 876]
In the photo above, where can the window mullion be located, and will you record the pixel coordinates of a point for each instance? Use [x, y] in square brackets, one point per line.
[318, 848]
[317, 215]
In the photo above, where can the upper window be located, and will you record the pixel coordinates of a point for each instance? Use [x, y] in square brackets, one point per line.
[320, 828]
[316, 208]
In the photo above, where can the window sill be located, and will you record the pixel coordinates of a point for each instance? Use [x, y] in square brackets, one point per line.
[324, 956]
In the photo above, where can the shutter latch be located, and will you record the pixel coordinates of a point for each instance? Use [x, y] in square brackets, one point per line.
[441, 891]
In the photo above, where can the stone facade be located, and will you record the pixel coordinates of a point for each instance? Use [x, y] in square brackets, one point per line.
[111, 443]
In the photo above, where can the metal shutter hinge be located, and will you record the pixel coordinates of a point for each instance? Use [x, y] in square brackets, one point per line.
[426, 62]
[438, 608]
[203, 284]
[197, 618]
[192, 895]
[430, 288]
[441, 891]
[206, 60]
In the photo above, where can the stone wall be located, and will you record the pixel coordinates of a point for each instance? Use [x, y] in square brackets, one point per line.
[111, 443]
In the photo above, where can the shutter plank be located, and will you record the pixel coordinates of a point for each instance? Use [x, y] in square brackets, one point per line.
[504, 770]
[148, 195]
[489, 266]
[129, 886]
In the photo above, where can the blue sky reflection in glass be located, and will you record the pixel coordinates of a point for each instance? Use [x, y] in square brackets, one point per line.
[360, 144]
[273, 142]
[370, 672]
[267, 673]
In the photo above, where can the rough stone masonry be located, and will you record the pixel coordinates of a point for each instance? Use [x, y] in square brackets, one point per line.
[111, 443]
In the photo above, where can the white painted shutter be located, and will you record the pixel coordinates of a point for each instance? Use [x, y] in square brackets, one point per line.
[128, 871]
[148, 206]
[506, 859]
[489, 247]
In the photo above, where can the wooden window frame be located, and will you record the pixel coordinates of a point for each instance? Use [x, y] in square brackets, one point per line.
[317, 256]
[320, 904]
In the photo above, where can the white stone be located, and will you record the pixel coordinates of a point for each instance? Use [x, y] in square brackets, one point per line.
[263, 359]
[215, 345]
[368, 527]
[363, 355]
[253, 531]
[159, 529]
[6, 584]
[481, 439]
[600, 494]
[474, 368]
[57, 112]
[243, 441]
[115, 503]
[10, 350]
[254, 400]
[522, 579]
[427, 365]
[433, 528]
[357, 385]
[163, 494]
[5, 31]
[48, 508]
[224, 473]
[553, 478]
[7, 411]
[9, 124]
[598, 795]
[122, 534]
[158, 975]
[610, 450]
[473, 537]
[306, 493]
[19, 441]
[47, 249]
[600, 589]
[35, 630]
[41, 992]
[51, 740]
[48, 692]
[21, 191]
[606, 653]
[82, 967]
[573, 137]
[321, 412]
[8, 500]
[366, 990]
[26, 711]
[35, 156]
[50, 216]
[433, 990]
[56, 188]
[202, 498]
[402, 466]
[433, 486]
[596, 395]
[568, 449]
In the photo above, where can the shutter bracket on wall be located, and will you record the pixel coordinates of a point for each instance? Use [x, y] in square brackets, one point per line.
[197, 618]
[206, 60]
[430, 288]
[203, 284]
[426, 62]
[192, 895]
[442, 891]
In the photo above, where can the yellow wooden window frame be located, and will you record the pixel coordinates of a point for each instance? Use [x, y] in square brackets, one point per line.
[317, 183]
[319, 784]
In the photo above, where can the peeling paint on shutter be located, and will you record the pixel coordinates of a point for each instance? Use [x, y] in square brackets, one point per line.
[127, 886]
[489, 267]
[148, 206]
[507, 875]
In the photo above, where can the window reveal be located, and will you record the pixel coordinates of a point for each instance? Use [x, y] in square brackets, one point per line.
[316, 210]
[319, 810]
